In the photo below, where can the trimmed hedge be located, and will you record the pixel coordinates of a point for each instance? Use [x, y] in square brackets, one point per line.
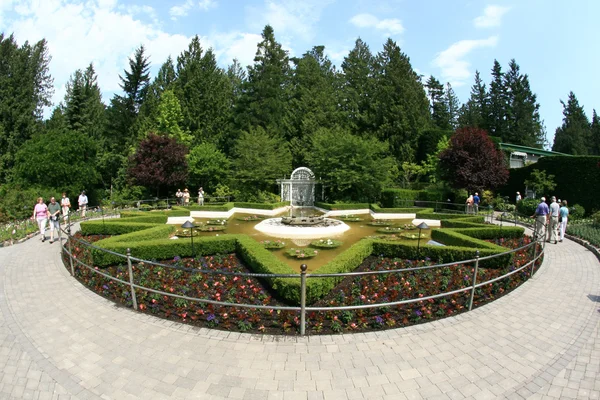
[113, 227]
[391, 198]
[342, 206]
[406, 210]
[195, 207]
[261, 206]
[577, 179]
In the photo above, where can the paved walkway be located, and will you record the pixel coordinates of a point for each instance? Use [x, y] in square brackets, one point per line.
[58, 340]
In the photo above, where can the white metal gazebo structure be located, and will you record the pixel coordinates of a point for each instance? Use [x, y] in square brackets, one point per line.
[299, 190]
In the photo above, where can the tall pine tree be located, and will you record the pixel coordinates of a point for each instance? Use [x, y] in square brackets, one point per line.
[595, 139]
[495, 120]
[574, 135]
[265, 98]
[475, 111]
[440, 114]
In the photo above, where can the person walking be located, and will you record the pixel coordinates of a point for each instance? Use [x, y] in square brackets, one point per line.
[563, 216]
[541, 219]
[553, 219]
[83, 203]
[469, 203]
[179, 196]
[200, 196]
[518, 198]
[40, 214]
[54, 215]
[65, 204]
[476, 201]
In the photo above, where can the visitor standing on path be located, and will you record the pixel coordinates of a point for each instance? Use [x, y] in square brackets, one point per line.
[83, 202]
[200, 196]
[54, 215]
[40, 214]
[179, 196]
[518, 199]
[65, 203]
[563, 217]
[476, 201]
[553, 219]
[541, 219]
[186, 197]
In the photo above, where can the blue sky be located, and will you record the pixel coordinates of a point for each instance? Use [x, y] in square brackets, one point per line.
[554, 41]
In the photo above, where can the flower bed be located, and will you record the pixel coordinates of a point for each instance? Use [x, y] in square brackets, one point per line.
[251, 218]
[216, 222]
[302, 253]
[193, 277]
[390, 230]
[349, 218]
[212, 228]
[326, 243]
[273, 244]
[412, 236]
[381, 222]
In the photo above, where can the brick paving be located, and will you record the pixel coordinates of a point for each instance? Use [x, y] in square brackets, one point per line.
[58, 340]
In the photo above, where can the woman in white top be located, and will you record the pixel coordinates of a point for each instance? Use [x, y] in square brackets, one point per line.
[65, 204]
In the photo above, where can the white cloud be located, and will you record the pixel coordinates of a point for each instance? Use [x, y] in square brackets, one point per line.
[207, 4]
[388, 27]
[492, 17]
[82, 31]
[289, 18]
[181, 10]
[454, 68]
[236, 45]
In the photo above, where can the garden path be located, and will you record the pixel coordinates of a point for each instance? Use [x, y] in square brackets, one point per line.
[59, 340]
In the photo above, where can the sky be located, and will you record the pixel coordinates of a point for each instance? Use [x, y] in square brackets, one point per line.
[553, 41]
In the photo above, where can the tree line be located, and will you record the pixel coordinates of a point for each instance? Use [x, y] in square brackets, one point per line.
[368, 124]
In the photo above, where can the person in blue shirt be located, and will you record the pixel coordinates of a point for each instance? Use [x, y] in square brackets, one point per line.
[541, 219]
[476, 201]
[563, 217]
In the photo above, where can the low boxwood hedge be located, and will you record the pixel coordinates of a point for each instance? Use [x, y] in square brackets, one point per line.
[113, 227]
[342, 206]
[195, 207]
[261, 206]
[405, 210]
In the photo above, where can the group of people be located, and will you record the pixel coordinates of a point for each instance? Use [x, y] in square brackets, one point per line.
[43, 214]
[183, 198]
[473, 203]
[554, 217]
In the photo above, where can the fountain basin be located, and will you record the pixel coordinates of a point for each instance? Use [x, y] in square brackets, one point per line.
[328, 227]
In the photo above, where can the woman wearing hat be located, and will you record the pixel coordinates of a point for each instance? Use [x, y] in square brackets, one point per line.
[186, 197]
[518, 199]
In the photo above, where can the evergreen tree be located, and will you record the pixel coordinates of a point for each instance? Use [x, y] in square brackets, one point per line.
[475, 112]
[265, 98]
[495, 120]
[595, 137]
[574, 135]
[440, 113]
[453, 104]
[203, 91]
[314, 100]
[25, 88]
[357, 88]
[523, 124]
[123, 110]
[83, 107]
[400, 104]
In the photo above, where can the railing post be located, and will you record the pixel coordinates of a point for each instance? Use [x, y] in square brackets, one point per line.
[303, 269]
[474, 280]
[535, 244]
[133, 299]
[70, 251]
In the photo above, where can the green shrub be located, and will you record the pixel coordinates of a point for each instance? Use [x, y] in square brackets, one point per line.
[392, 198]
[406, 210]
[596, 218]
[576, 212]
[113, 227]
[526, 207]
[342, 206]
[587, 232]
[262, 206]
[195, 207]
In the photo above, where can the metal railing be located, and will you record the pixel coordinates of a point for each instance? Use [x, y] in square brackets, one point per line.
[303, 276]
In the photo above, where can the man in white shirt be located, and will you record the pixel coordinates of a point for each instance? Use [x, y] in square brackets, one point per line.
[83, 202]
[553, 216]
